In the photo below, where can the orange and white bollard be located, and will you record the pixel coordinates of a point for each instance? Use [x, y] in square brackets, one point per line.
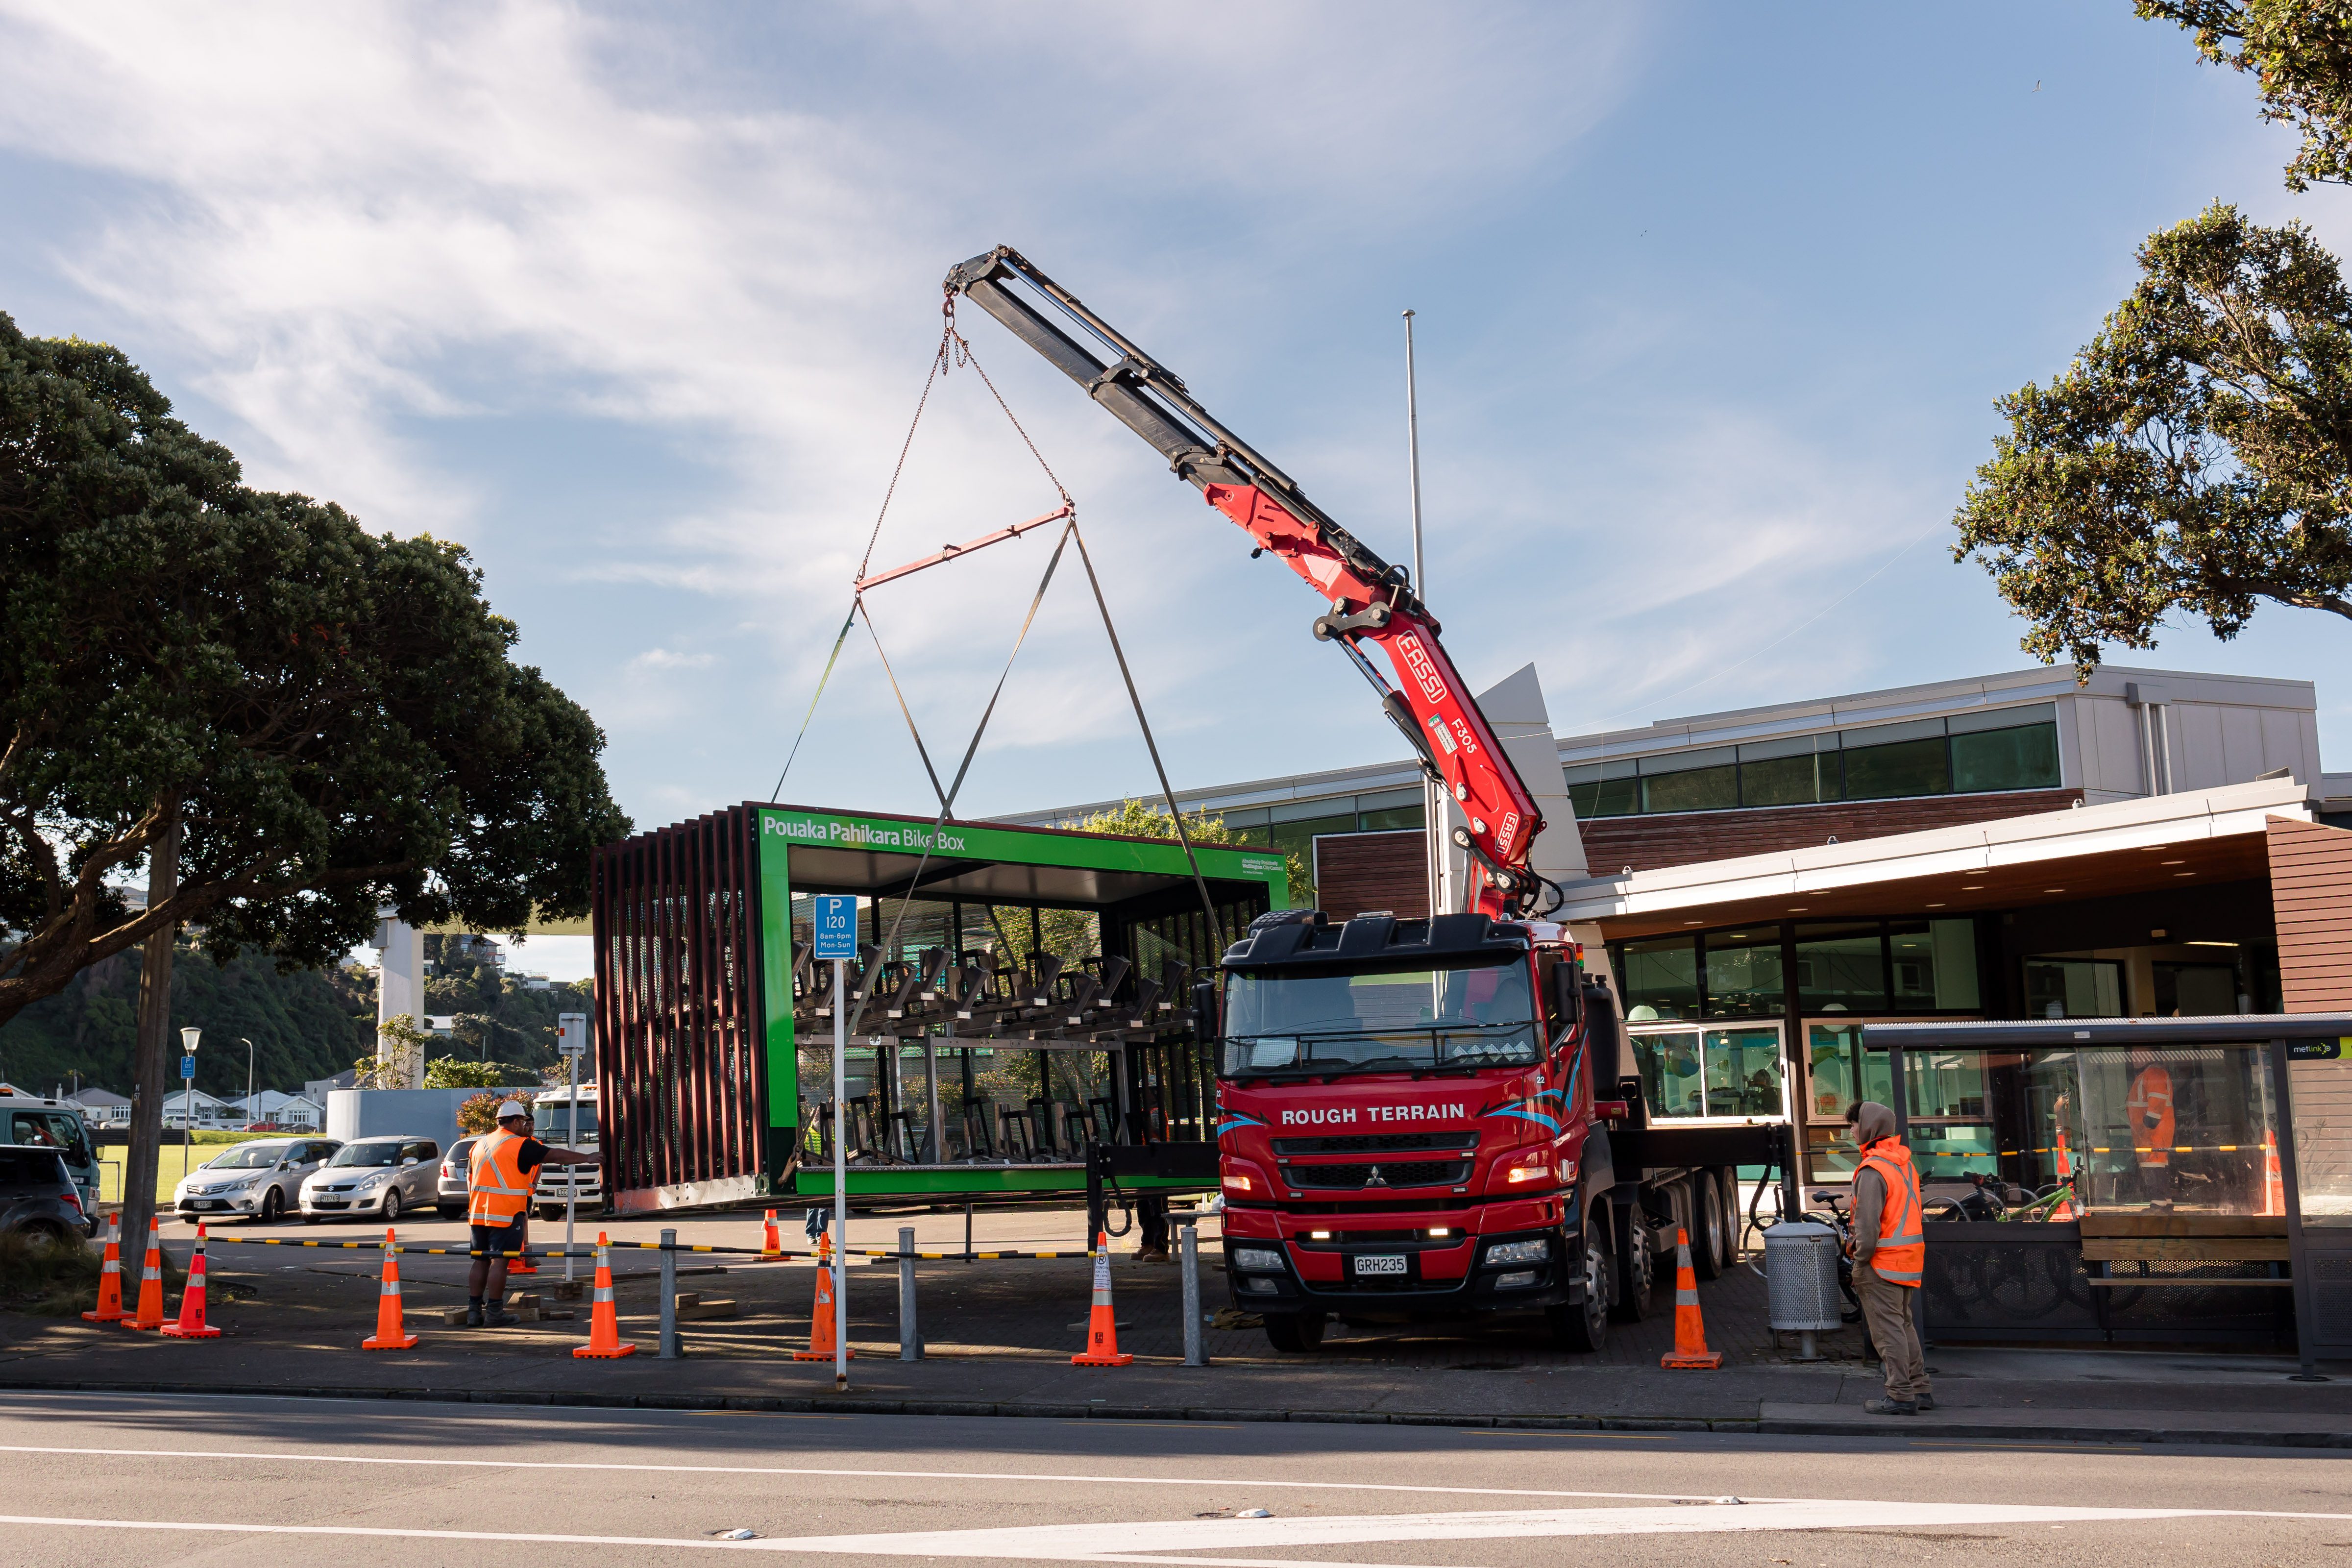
[391, 1329]
[191, 1325]
[1690, 1352]
[823, 1336]
[109, 1276]
[771, 1246]
[151, 1281]
[1102, 1328]
[604, 1320]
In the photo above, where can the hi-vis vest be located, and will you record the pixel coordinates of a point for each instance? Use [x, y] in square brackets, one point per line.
[501, 1189]
[2150, 1106]
[1901, 1255]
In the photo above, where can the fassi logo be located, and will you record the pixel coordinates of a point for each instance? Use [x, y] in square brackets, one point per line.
[1423, 670]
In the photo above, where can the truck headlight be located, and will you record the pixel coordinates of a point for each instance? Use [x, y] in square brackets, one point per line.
[1537, 1251]
[1528, 1173]
[1256, 1257]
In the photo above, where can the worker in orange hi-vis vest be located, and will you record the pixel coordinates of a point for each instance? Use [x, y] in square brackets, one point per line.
[2148, 1108]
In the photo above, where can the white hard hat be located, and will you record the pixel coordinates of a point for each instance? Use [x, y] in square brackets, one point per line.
[513, 1108]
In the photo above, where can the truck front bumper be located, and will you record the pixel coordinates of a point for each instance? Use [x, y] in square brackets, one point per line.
[1519, 1286]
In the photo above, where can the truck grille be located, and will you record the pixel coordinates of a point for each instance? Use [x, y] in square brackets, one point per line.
[1375, 1143]
[1392, 1174]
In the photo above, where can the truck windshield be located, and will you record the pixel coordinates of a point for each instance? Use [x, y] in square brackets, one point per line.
[1478, 1013]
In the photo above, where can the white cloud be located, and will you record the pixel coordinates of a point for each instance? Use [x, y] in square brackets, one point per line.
[664, 658]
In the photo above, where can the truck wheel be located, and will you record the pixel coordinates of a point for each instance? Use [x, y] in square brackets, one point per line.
[1294, 1333]
[1637, 1266]
[1584, 1325]
[1710, 1238]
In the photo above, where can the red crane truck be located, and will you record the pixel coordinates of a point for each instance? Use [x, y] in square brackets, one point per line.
[1417, 1118]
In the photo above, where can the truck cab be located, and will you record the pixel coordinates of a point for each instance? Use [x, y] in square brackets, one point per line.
[1407, 1123]
[567, 1116]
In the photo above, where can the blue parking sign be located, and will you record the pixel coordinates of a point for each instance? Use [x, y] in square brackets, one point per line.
[187, 1066]
[836, 925]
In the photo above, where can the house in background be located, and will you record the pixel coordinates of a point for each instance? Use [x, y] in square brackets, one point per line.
[194, 1108]
[103, 1108]
[281, 1110]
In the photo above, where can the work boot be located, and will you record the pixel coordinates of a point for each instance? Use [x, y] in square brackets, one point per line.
[1152, 1255]
[473, 1317]
[1923, 1401]
[496, 1316]
[1891, 1406]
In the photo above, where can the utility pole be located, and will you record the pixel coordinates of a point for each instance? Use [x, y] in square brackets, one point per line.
[249, 1117]
[149, 1062]
[1433, 805]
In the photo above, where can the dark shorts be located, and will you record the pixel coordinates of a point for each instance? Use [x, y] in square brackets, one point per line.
[493, 1240]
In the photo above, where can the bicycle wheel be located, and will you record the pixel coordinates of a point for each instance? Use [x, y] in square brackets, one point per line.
[2023, 1291]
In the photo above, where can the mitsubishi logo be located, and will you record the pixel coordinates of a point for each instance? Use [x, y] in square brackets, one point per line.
[1375, 1179]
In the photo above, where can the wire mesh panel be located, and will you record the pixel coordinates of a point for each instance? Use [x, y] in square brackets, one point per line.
[1986, 1281]
[677, 1008]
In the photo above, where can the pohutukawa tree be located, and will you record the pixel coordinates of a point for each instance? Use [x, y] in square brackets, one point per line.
[286, 721]
[2195, 459]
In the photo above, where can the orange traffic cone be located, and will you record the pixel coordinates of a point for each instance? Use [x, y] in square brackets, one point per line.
[823, 1337]
[771, 1244]
[109, 1276]
[1690, 1352]
[2065, 1212]
[521, 1262]
[191, 1325]
[391, 1333]
[1102, 1328]
[2273, 1183]
[151, 1281]
[603, 1323]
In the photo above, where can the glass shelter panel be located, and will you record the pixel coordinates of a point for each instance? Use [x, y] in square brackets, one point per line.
[2319, 1076]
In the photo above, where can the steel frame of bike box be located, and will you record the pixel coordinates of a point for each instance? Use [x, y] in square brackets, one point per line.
[696, 1062]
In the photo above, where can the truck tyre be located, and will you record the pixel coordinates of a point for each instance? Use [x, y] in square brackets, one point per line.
[1637, 1265]
[1710, 1232]
[1584, 1325]
[1294, 1333]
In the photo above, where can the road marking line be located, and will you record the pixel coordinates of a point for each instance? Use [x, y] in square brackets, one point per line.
[227, 1455]
[1113, 1544]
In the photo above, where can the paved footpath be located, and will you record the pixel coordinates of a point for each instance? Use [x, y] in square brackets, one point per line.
[1000, 1336]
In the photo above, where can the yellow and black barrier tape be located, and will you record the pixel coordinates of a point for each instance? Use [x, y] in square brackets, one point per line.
[409, 1250]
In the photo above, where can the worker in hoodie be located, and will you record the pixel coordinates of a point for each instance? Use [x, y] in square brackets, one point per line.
[1890, 1253]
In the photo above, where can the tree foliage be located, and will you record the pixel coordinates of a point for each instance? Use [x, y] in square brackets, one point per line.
[2300, 52]
[1141, 819]
[456, 1072]
[2196, 456]
[331, 714]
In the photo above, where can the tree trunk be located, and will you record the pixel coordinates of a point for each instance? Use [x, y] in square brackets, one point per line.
[150, 1054]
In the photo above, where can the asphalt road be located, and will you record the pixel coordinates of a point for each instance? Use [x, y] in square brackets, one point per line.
[189, 1481]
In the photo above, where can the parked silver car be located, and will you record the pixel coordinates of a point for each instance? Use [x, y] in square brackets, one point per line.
[259, 1179]
[373, 1177]
[457, 1168]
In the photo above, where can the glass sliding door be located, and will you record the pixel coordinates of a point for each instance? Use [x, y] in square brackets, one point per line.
[1694, 1074]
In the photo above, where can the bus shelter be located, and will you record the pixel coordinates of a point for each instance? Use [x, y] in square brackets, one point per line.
[2150, 1180]
[1021, 994]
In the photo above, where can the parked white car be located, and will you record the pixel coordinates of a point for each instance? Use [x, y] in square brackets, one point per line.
[377, 1177]
[258, 1180]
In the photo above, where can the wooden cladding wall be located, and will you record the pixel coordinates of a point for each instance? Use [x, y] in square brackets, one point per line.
[2311, 896]
[1360, 871]
[678, 1003]
[1647, 843]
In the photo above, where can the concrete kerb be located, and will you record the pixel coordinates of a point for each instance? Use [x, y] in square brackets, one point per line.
[2055, 1429]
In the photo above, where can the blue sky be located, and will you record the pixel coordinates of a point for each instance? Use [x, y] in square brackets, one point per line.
[636, 302]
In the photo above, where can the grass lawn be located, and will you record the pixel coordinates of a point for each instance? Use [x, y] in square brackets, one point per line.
[168, 1170]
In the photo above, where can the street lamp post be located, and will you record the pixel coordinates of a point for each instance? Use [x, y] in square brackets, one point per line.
[249, 1117]
[188, 1039]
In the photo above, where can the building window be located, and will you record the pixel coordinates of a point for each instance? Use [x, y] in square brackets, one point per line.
[2073, 988]
[1841, 967]
[1389, 811]
[1892, 761]
[1691, 781]
[1799, 770]
[2194, 989]
[2001, 749]
[1692, 1073]
[1744, 974]
[1934, 965]
[1662, 976]
[1604, 789]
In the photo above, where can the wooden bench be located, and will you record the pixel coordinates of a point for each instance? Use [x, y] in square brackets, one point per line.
[2187, 1238]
